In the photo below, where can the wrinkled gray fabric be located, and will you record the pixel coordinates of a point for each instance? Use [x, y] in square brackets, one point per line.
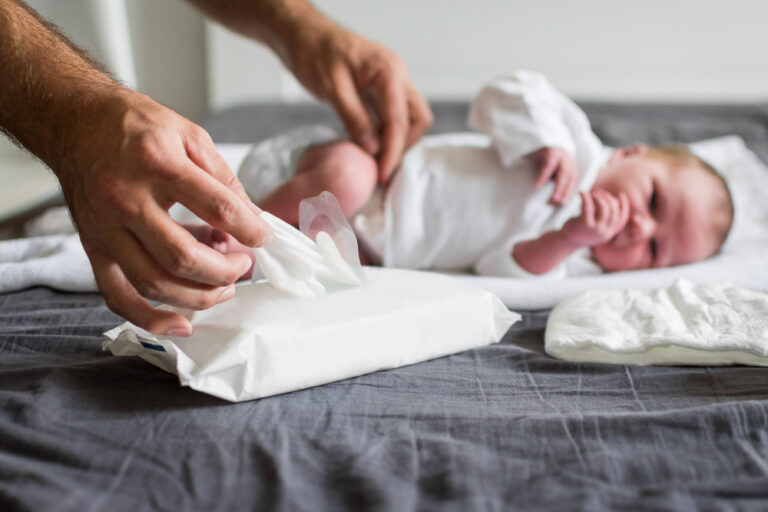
[504, 427]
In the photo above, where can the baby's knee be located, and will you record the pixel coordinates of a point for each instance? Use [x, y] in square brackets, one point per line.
[352, 174]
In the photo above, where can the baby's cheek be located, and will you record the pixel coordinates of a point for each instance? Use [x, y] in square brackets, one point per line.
[612, 259]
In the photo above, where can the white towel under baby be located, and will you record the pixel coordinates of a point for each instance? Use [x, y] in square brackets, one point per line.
[685, 324]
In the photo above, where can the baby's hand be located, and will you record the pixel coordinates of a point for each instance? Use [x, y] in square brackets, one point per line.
[603, 215]
[557, 164]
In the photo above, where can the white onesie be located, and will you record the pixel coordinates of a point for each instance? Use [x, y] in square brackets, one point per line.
[462, 201]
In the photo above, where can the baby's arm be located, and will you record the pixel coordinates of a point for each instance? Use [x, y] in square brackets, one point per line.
[602, 216]
[526, 116]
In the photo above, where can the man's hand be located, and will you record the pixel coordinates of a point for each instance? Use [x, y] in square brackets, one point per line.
[369, 87]
[367, 84]
[122, 161]
[139, 160]
[558, 165]
[602, 217]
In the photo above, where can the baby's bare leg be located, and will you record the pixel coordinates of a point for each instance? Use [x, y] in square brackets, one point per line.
[341, 168]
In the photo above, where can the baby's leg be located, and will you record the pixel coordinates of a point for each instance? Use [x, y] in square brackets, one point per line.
[341, 168]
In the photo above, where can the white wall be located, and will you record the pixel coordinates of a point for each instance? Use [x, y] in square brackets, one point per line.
[169, 52]
[168, 46]
[707, 50]
[690, 50]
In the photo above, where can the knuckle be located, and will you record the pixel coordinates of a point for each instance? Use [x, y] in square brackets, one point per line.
[338, 70]
[398, 124]
[115, 304]
[224, 211]
[150, 153]
[198, 133]
[147, 288]
[394, 62]
[356, 124]
[181, 260]
[424, 121]
[233, 184]
[149, 145]
[118, 195]
[204, 300]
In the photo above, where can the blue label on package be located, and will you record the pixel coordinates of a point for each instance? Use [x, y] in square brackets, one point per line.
[152, 346]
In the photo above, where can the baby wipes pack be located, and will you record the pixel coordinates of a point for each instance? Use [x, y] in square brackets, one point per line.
[317, 318]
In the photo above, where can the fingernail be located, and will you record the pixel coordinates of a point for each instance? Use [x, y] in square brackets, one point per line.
[179, 331]
[227, 294]
[369, 143]
[265, 239]
[245, 264]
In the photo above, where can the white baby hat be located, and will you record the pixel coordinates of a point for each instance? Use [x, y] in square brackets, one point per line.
[747, 179]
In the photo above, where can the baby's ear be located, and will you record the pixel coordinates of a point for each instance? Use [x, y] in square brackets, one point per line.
[627, 151]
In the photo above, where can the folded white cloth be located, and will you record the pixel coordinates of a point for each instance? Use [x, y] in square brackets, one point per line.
[685, 324]
[58, 261]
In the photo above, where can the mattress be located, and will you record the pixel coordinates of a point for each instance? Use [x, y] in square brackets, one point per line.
[503, 427]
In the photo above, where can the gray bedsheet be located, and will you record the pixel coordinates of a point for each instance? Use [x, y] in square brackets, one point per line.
[500, 428]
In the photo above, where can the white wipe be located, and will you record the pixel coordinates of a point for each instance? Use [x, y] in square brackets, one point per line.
[685, 324]
[300, 267]
[264, 342]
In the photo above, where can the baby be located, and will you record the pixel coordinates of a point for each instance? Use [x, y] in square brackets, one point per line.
[501, 201]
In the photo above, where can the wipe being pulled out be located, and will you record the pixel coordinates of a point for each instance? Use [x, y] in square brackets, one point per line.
[318, 317]
[684, 324]
[304, 268]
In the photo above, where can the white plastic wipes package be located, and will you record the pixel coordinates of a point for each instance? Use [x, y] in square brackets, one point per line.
[318, 318]
[264, 342]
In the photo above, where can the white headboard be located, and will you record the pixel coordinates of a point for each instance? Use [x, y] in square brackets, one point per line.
[647, 50]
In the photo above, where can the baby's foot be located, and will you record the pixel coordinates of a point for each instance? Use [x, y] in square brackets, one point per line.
[222, 242]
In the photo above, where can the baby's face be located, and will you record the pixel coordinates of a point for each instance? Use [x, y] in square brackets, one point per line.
[670, 214]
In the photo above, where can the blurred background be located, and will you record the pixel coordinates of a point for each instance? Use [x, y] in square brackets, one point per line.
[708, 51]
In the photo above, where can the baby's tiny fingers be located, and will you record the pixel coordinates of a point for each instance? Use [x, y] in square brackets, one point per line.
[624, 210]
[587, 206]
[547, 167]
[572, 181]
[601, 205]
[560, 184]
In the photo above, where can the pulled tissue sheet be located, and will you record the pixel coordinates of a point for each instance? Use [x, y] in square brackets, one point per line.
[296, 265]
[264, 342]
[706, 325]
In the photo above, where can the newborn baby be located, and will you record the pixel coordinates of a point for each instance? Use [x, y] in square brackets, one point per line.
[502, 202]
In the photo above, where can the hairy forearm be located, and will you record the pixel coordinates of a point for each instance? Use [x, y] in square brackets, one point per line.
[275, 23]
[540, 255]
[50, 92]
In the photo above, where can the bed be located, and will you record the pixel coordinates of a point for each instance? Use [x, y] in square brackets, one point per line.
[504, 427]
